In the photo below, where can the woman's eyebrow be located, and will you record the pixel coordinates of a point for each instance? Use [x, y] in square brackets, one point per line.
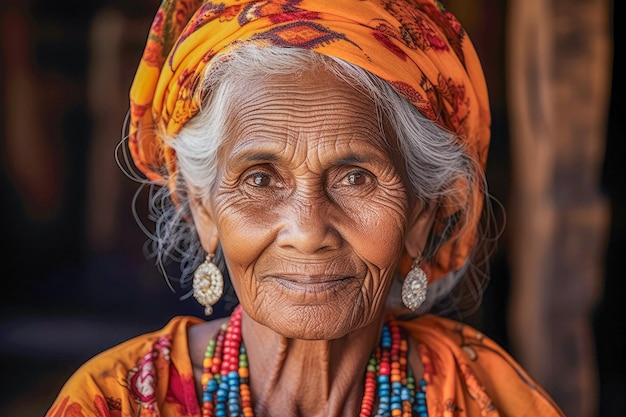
[369, 157]
[252, 156]
[353, 159]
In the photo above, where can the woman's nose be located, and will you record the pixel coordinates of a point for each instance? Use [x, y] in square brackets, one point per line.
[307, 226]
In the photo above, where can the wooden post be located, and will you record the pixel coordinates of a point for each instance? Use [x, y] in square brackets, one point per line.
[558, 69]
[30, 153]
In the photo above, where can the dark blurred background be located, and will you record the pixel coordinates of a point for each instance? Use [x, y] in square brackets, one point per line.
[75, 278]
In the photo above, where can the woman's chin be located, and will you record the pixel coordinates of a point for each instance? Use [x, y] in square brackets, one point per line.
[315, 321]
[312, 309]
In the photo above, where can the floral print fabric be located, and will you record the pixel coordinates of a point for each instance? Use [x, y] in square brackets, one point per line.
[467, 375]
[148, 376]
[415, 45]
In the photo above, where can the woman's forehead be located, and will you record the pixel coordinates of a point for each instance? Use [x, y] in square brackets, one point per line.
[312, 110]
[307, 91]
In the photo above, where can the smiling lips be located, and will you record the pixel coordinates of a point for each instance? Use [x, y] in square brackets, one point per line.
[310, 283]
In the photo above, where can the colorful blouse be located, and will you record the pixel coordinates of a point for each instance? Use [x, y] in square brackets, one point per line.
[467, 374]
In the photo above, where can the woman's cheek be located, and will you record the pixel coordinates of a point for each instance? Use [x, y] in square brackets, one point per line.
[244, 231]
[380, 233]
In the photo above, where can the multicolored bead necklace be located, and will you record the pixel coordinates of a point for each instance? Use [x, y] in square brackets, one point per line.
[389, 382]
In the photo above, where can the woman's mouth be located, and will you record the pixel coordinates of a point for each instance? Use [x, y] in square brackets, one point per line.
[305, 283]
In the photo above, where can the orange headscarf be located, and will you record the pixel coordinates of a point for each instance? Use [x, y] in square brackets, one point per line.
[415, 45]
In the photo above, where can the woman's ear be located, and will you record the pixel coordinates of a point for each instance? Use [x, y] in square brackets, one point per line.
[419, 229]
[205, 225]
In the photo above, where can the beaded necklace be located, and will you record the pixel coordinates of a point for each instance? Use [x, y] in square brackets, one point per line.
[389, 382]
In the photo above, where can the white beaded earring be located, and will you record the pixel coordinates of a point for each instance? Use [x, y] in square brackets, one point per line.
[208, 284]
[414, 287]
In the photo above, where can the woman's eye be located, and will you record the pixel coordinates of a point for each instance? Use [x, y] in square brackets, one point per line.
[262, 178]
[354, 182]
[356, 178]
[259, 179]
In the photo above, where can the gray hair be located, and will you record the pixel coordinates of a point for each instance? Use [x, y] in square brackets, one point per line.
[434, 157]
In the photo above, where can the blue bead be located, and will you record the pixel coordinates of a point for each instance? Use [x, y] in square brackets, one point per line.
[212, 385]
[421, 409]
[395, 398]
[396, 406]
[384, 392]
[404, 394]
[207, 398]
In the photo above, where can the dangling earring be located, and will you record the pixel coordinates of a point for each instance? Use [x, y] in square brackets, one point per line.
[414, 287]
[208, 284]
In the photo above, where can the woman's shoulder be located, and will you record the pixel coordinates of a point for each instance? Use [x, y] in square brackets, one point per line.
[137, 373]
[468, 370]
[169, 342]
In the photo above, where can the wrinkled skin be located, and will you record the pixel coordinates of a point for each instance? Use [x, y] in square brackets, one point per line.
[312, 211]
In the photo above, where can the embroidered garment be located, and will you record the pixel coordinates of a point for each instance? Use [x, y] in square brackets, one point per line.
[415, 45]
[467, 375]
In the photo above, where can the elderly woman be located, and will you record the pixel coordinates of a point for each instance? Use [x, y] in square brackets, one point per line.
[328, 157]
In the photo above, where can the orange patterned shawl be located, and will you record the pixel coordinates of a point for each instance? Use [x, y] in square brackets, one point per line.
[467, 374]
[415, 45]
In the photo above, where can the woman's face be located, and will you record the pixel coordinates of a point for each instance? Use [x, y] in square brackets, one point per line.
[310, 208]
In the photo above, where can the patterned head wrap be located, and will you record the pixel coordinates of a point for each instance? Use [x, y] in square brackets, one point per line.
[415, 45]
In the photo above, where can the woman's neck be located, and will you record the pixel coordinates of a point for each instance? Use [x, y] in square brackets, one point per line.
[291, 377]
